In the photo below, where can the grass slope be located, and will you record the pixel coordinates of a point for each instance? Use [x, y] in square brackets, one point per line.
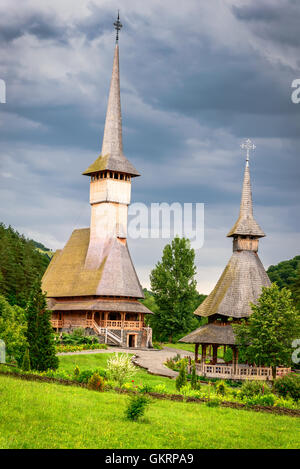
[42, 415]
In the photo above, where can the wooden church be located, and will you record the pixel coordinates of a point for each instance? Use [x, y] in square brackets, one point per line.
[92, 282]
[239, 285]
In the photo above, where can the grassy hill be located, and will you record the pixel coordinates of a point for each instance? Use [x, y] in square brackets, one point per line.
[55, 416]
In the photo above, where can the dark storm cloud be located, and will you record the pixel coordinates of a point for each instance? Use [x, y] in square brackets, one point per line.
[277, 21]
[43, 26]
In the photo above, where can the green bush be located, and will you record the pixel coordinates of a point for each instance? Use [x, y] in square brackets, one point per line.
[181, 379]
[221, 388]
[288, 386]
[96, 382]
[84, 376]
[267, 400]
[254, 388]
[144, 388]
[76, 371]
[136, 407]
[160, 388]
[213, 401]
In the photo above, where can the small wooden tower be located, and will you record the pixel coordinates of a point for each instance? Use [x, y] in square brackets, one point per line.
[240, 283]
[92, 282]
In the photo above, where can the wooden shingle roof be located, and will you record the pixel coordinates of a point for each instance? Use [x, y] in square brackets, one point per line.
[115, 274]
[211, 334]
[240, 283]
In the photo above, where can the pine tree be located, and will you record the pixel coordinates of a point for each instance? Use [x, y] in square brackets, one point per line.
[181, 379]
[174, 289]
[194, 377]
[26, 361]
[39, 332]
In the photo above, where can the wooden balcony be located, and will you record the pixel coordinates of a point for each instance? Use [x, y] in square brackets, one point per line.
[108, 324]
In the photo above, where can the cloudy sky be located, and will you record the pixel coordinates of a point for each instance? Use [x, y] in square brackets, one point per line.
[197, 77]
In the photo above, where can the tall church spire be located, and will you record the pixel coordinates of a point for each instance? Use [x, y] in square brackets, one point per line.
[112, 139]
[246, 224]
[112, 157]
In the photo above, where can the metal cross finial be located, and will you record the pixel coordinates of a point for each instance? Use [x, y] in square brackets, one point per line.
[248, 145]
[118, 25]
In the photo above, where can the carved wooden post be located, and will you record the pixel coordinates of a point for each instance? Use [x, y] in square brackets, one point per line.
[215, 354]
[203, 357]
[196, 353]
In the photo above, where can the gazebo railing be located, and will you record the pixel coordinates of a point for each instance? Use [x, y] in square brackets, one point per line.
[240, 372]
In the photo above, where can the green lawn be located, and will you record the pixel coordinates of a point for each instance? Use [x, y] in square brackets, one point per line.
[42, 415]
[99, 360]
[180, 346]
[191, 348]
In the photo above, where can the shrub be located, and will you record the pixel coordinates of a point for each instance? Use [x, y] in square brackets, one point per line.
[26, 361]
[253, 388]
[127, 386]
[160, 388]
[84, 376]
[144, 388]
[136, 407]
[213, 401]
[259, 399]
[76, 371]
[181, 378]
[120, 368]
[96, 382]
[221, 388]
[288, 386]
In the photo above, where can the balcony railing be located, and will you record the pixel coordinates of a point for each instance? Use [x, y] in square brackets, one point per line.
[109, 324]
[241, 371]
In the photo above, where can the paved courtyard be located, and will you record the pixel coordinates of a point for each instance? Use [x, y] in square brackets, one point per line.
[152, 360]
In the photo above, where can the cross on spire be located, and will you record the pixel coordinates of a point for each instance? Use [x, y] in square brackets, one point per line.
[248, 145]
[118, 25]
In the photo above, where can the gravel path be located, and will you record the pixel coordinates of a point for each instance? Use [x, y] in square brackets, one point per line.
[152, 360]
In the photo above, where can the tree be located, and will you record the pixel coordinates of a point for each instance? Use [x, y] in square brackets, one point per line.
[20, 265]
[39, 332]
[13, 330]
[295, 289]
[26, 361]
[266, 337]
[174, 289]
[181, 379]
[284, 273]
